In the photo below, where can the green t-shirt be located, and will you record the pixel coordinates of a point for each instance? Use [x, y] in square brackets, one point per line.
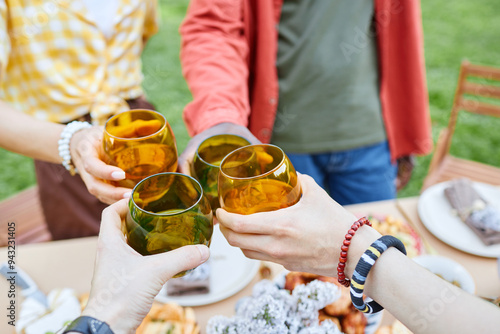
[328, 77]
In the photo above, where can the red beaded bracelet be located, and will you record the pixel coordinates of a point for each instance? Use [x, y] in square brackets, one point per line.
[345, 247]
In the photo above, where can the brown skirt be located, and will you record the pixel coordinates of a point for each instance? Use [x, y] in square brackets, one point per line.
[69, 209]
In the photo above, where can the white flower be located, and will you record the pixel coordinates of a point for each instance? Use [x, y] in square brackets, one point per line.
[221, 324]
[319, 293]
[271, 310]
[313, 297]
[326, 327]
[264, 287]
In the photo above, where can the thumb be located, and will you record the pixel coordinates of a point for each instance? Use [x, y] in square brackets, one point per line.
[175, 261]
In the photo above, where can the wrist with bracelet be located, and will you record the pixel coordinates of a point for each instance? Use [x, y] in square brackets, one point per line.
[64, 150]
[364, 265]
[345, 248]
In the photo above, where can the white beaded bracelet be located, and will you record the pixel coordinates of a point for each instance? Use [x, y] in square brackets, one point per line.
[69, 130]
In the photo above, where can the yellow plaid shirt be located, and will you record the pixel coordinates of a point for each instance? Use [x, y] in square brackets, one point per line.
[57, 65]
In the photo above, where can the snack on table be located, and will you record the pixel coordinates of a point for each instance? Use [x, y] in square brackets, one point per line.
[398, 228]
[474, 211]
[341, 312]
[169, 318]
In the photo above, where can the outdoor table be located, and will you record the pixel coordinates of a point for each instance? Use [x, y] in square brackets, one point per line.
[69, 263]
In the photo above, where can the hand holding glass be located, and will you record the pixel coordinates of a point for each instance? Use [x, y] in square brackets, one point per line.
[207, 159]
[257, 178]
[168, 211]
[141, 143]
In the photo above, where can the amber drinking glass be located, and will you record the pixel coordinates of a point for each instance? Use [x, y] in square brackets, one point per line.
[206, 162]
[257, 178]
[141, 143]
[168, 211]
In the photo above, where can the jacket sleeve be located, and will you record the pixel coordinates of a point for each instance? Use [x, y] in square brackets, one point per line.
[403, 88]
[214, 58]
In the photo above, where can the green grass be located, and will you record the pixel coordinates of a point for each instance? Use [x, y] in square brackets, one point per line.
[453, 31]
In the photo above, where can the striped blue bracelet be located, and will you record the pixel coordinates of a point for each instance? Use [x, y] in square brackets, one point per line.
[364, 266]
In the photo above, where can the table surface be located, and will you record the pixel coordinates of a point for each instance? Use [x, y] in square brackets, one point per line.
[69, 263]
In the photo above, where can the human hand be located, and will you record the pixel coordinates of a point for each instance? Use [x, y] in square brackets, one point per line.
[125, 282]
[186, 157]
[405, 169]
[304, 237]
[85, 147]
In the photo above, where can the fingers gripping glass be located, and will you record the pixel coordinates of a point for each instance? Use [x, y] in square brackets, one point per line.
[141, 143]
[168, 211]
[207, 159]
[257, 178]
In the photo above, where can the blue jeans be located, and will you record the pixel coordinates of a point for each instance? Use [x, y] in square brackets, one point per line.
[354, 176]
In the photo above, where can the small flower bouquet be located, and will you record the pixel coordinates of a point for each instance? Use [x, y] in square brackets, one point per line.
[271, 310]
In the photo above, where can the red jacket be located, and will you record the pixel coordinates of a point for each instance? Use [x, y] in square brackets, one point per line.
[229, 50]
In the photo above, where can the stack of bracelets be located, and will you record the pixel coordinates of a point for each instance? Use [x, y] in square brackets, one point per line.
[364, 265]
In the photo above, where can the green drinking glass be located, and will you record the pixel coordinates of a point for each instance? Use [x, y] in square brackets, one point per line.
[168, 211]
[207, 159]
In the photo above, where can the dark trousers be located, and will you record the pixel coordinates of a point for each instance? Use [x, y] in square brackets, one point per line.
[70, 210]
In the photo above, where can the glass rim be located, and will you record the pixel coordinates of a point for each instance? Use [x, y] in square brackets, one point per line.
[257, 176]
[222, 134]
[136, 138]
[200, 188]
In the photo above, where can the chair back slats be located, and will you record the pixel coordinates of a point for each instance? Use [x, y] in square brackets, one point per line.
[472, 88]
[486, 72]
[480, 96]
[475, 90]
[479, 107]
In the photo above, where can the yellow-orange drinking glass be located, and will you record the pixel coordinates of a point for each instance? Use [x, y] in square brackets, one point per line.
[168, 211]
[257, 178]
[141, 143]
[207, 159]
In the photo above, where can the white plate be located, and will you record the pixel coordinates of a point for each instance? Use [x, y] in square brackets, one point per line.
[437, 215]
[448, 269]
[230, 272]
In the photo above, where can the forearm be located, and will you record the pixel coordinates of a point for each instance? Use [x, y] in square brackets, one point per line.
[421, 300]
[21, 133]
[214, 56]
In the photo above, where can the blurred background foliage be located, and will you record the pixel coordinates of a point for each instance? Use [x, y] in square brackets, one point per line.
[453, 31]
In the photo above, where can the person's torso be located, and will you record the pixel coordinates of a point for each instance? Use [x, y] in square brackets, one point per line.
[59, 61]
[328, 77]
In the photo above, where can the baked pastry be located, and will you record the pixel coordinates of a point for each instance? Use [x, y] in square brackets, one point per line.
[169, 318]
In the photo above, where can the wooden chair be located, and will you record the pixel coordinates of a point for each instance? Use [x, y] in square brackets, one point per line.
[25, 211]
[445, 167]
